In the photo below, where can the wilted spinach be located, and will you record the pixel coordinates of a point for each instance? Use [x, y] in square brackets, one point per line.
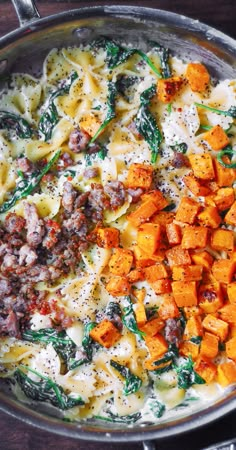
[187, 375]
[157, 408]
[129, 319]
[231, 112]
[13, 121]
[87, 348]
[181, 148]
[111, 114]
[167, 361]
[132, 382]
[131, 418]
[164, 56]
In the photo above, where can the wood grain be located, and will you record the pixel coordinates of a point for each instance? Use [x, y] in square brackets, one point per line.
[15, 435]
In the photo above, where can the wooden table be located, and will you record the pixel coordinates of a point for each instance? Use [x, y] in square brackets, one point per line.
[15, 435]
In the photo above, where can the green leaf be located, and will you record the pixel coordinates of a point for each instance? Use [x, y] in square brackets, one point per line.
[169, 358]
[146, 123]
[13, 121]
[129, 319]
[157, 408]
[87, 348]
[181, 148]
[113, 309]
[112, 92]
[227, 151]
[187, 375]
[27, 185]
[114, 418]
[45, 390]
[196, 339]
[164, 56]
[132, 382]
[231, 112]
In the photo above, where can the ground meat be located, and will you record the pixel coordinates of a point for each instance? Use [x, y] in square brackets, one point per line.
[14, 223]
[91, 172]
[97, 201]
[37, 273]
[25, 165]
[66, 160]
[78, 140]
[68, 197]
[135, 193]
[9, 325]
[27, 256]
[5, 287]
[9, 263]
[116, 192]
[4, 249]
[14, 240]
[173, 331]
[179, 160]
[77, 223]
[93, 148]
[81, 200]
[132, 127]
[35, 226]
[53, 231]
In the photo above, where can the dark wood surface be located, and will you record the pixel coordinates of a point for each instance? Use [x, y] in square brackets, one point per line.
[14, 434]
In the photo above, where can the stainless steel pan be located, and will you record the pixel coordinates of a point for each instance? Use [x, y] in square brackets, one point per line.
[24, 50]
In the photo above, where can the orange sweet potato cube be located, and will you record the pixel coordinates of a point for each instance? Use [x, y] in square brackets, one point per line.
[185, 293]
[108, 237]
[190, 311]
[142, 259]
[174, 234]
[105, 333]
[168, 308]
[148, 238]
[118, 286]
[231, 291]
[210, 217]
[157, 197]
[163, 218]
[121, 262]
[206, 369]
[216, 326]
[210, 297]
[230, 217]
[195, 186]
[167, 88]
[228, 313]
[224, 175]
[216, 138]
[226, 373]
[194, 237]
[135, 275]
[189, 349]
[223, 270]
[222, 240]
[197, 76]
[202, 166]
[177, 256]
[193, 328]
[209, 345]
[139, 294]
[140, 314]
[90, 123]
[156, 345]
[224, 198]
[140, 176]
[230, 347]
[162, 286]
[155, 272]
[187, 273]
[203, 259]
[143, 213]
[152, 327]
[187, 210]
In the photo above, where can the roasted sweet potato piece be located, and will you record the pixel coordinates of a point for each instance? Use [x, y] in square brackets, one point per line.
[139, 294]
[142, 259]
[209, 345]
[210, 217]
[228, 313]
[148, 238]
[156, 345]
[155, 272]
[198, 77]
[210, 297]
[152, 327]
[230, 217]
[167, 88]
[157, 197]
[194, 237]
[189, 349]
[168, 308]
[216, 326]
[140, 314]
[174, 234]
[187, 210]
[224, 198]
[216, 138]
[162, 286]
[105, 333]
[185, 293]
[203, 259]
[163, 218]
[224, 176]
[140, 176]
[230, 348]
[190, 311]
[90, 123]
[108, 237]
[121, 262]
[226, 373]
[143, 213]
[222, 240]
[231, 291]
[193, 328]
[135, 275]
[206, 369]
[118, 286]
[195, 186]
[187, 273]
[223, 270]
[202, 166]
[177, 256]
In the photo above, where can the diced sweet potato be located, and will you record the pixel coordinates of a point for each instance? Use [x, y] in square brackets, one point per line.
[105, 333]
[190, 311]
[155, 272]
[189, 349]
[185, 293]
[156, 345]
[202, 166]
[121, 262]
[148, 238]
[177, 256]
[163, 218]
[210, 217]
[230, 347]
[230, 217]
[194, 237]
[193, 328]
[157, 197]
[168, 308]
[210, 297]
[140, 176]
[167, 88]
[118, 286]
[187, 210]
[90, 123]
[216, 326]
[224, 176]
[195, 186]
[228, 313]
[152, 327]
[226, 373]
[222, 240]
[162, 286]
[206, 369]
[135, 275]
[108, 237]
[224, 198]
[223, 270]
[198, 77]
[139, 294]
[143, 213]
[174, 234]
[140, 314]
[187, 273]
[216, 138]
[142, 259]
[209, 345]
[203, 259]
[231, 291]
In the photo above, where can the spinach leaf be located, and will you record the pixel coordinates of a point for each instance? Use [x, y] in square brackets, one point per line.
[62, 344]
[113, 309]
[27, 185]
[231, 112]
[169, 207]
[87, 348]
[187, 375]
[146, 123]
[129, 319]
[111, 114]
[227, 151]
[196, 339]
[131, 418]
[167, 361]
[124, 82]
[151, 312]
[181, 148]
[132, 382]
[164, 56]
[157, 408]
[45, 390]
[13, 121]
[50, 117]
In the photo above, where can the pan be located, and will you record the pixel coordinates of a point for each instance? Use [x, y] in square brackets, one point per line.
[24, 50]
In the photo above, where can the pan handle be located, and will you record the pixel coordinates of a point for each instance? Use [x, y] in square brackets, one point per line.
[148, 445]
[26, 11]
